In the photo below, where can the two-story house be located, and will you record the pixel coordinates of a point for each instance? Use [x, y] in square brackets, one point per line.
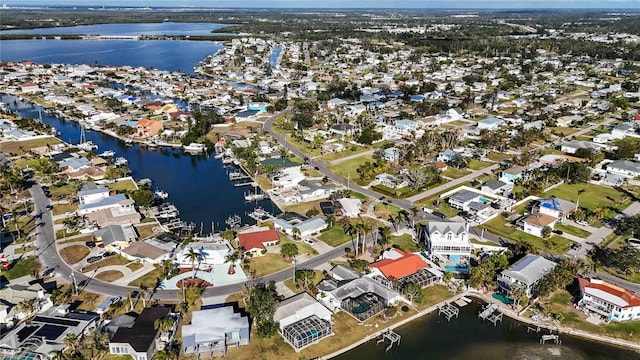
[526, 272]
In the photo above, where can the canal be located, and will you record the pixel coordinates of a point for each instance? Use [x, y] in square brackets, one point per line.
[197, 185]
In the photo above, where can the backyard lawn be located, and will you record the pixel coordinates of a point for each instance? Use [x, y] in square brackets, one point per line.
[499, 226]
[347, 169]
[123, 185]
[572, 230]
[63, 190]
[145, 231]
[592, 197]
[268, 264]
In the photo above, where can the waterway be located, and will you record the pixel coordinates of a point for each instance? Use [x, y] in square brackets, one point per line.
[469, 338]
[197, 185]
[172, 55]
[131, 29]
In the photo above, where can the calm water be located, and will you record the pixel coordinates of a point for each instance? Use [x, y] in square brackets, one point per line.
[164, 28]
[197, 185]
[172, 55]
[469, 338]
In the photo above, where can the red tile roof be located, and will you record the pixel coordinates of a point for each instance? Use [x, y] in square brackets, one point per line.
[256, 239]
[406, 265]
[622, 293]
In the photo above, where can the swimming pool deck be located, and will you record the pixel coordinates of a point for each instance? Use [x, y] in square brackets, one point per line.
[218, 276]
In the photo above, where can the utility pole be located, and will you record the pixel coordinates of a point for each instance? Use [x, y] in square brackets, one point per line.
[75, 285]
[294, 271]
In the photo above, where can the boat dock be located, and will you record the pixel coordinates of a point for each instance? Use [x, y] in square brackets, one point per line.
[491, 313]
[449, 310]
[390, 335]
[554, 338]
[236, 175]
[260, 215]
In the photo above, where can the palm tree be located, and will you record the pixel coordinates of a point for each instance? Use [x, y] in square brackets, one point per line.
[600, 212]
[70, 342]
[296, 233]
[58, 355]
[232, 258]
[289, 250]
[385, 235]
[164, 324]
[193, 256]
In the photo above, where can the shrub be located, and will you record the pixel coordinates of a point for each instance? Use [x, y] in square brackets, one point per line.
[263, 252]
[405, 308]
[391, 311]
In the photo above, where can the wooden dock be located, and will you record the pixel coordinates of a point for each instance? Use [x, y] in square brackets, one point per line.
[390, 335]
[449, 311]
[491, 313]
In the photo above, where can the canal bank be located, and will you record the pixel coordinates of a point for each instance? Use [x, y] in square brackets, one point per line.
[431, 336]
[197, 184]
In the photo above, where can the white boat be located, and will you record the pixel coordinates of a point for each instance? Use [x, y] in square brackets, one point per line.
[219, 156]
[106, 154]
[152, 145]
[195, 148]
[161, 194]
[128, 142]
[120, 161]
[86, 145]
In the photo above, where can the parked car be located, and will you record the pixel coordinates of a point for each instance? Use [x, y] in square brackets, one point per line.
[108, 253]
[440, 215]
[559, 232]
[576, 246]
[90, 244]
[93, 259]
[308, 241]
[582, 222]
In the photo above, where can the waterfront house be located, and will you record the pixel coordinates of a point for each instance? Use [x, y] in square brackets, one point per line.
[361, 298]
[526, 272]
[148, 128]
[303, 321]
[213, 330]
[142, 339]
[405, 267]
[45, 333]
[462, 200]
[625, 168]
[255, 239]
[448, 241]
[120, 215]
[210, 253]
[74, 164]
[115, 201]
[287, 177]
[115, 237]
[608, 301]
[91, 193]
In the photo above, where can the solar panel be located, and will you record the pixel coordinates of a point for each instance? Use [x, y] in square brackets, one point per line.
[51, 332]
[25, 332]
[57, 321]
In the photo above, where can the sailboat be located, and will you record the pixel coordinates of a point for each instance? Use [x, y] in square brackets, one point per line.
[86, 145]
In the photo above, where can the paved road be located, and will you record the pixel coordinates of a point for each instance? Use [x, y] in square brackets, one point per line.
[50, 258]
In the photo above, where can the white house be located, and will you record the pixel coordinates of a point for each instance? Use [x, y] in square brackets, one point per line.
[462, 200]
[534, 224]
[623, 130]
[391, 181]
[350, 207]
[287, 177]
[624, 167]
[526, 272]
[608, 301]
[449, 240]
[304, 228]
[490, 124]
[92, 193]
[572, 146]
[555, 207]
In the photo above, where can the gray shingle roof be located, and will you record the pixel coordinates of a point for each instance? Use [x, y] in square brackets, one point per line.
[529, 269]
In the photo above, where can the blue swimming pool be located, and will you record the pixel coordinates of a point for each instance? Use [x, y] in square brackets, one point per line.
[484, 200]
[502, 298]
[459, 268]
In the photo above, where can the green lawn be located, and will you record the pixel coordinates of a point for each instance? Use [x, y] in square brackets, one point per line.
[454, 173]
[64, 190]
[123, 185]
[592, 197]
[347, 168]
[59, 209]
[334, 236]
[303, 248]
[383, 211]
[405, 243]
[500, 227]
[318, 276]
[572, 230]
[22, 147]
[495, 156]
[564, 131]
[22, 267]
[433, 295]
[475, 164]
[149, 279]
[268, 264]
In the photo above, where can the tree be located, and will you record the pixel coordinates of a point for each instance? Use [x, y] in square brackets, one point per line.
[296, 233]
[413, 292]
[546, 232]
[193, 256]
[289, 250]
[385, 236]
[189, 294]
[368, 135]
[142, 197]
[71, 342]
[261, 305]
[163, 325]
[518, 293]
[419, 176]
[458, 161]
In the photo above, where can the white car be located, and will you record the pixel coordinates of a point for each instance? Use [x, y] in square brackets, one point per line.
[308, 241]
[582, 222]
